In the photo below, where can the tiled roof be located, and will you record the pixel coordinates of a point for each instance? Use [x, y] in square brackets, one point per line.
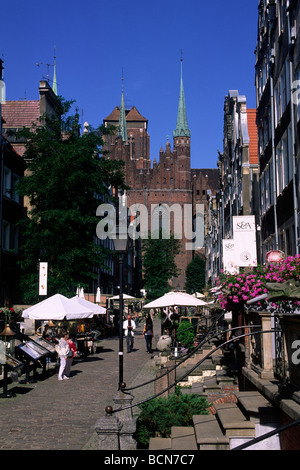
[17, 114]
[114, 116]
[252, 129]
[132, 115]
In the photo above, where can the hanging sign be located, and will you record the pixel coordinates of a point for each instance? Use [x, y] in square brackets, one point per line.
[275, 256]
[244, 234]
[43, 278]
[229, 257]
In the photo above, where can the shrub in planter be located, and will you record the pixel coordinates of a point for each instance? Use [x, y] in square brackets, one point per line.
[185, 335]
[160, 414]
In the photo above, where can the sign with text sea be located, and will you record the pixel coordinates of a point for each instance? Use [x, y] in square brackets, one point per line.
[244, 235]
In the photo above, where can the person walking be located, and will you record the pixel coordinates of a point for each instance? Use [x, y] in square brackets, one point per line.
[148, 333]
[129, 327]
[70, 357]
[63, 351]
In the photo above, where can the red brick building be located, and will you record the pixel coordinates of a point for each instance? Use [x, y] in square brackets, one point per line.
[170, 180]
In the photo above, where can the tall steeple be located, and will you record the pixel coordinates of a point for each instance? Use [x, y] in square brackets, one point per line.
[182, 129]
[122, 119]
[54, 87]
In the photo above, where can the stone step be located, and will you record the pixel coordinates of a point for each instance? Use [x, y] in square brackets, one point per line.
[204, 368]
[208, 433]
[220, 360]
[160, 443]
[206, 348]
[196, 388]
[210, 383]
[233, 421]
[224, 376]
[256, 407]
[183, 438]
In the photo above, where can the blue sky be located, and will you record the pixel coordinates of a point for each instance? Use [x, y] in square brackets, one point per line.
[95, 40]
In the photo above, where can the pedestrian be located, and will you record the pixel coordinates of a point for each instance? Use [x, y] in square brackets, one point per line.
[72, 354]
[129, 327]
[63, 351]
[148, 333]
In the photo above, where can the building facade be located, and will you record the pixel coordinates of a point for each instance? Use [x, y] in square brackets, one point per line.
[12, 168]
[276, 72]
[238, 180]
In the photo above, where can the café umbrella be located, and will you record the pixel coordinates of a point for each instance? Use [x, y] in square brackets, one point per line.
[96, 309]
[57, 307]
[176, 299]
[125, 297]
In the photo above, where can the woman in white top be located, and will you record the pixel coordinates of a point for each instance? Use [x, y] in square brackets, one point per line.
[64, 350]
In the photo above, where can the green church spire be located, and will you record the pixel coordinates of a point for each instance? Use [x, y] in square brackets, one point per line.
[54, 87]
[122, 119]
[182, 129]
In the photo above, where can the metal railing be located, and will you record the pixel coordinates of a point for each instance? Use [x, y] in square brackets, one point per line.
[211, 335]
[207, 356]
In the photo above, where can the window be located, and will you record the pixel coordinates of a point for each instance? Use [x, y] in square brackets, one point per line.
[10, 236]
[14, 238]
[5, 235]
[267, 187]
[280, 16]
[277, 105]
[262, 189]
[278, 169]
[271, 184]
[285, 161]
[7, 182]
[287, 81]
[15, 183]
[282, 90]
[290, 152]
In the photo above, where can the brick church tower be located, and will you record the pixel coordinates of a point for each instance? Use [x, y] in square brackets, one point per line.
[168, 181]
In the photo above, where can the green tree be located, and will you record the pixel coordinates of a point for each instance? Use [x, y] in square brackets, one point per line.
[159, 264]
[195, 275]
[65, 181]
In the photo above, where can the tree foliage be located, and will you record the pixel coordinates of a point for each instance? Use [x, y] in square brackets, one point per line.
[159, 264]
[195, 275]
[67, 179]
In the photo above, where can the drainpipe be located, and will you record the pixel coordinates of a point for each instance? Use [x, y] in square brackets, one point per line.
[273, 150]
[291, 46]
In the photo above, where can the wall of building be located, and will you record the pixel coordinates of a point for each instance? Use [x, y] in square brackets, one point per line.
[168, 181]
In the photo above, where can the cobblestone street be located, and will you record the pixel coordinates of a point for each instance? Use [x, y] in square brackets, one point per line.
[61, 415]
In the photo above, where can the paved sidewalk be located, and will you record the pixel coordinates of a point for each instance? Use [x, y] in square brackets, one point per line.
[61, 415]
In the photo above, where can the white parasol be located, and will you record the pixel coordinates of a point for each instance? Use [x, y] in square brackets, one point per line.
[96, 309]
[125, 297]
[178, 299]
[57, 307]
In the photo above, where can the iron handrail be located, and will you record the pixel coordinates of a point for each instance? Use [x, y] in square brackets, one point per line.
[133, 405]
[205, 340]
[267, 435]
[189, 355]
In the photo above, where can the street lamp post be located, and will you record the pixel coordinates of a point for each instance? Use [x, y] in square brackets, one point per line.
[121, 249]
